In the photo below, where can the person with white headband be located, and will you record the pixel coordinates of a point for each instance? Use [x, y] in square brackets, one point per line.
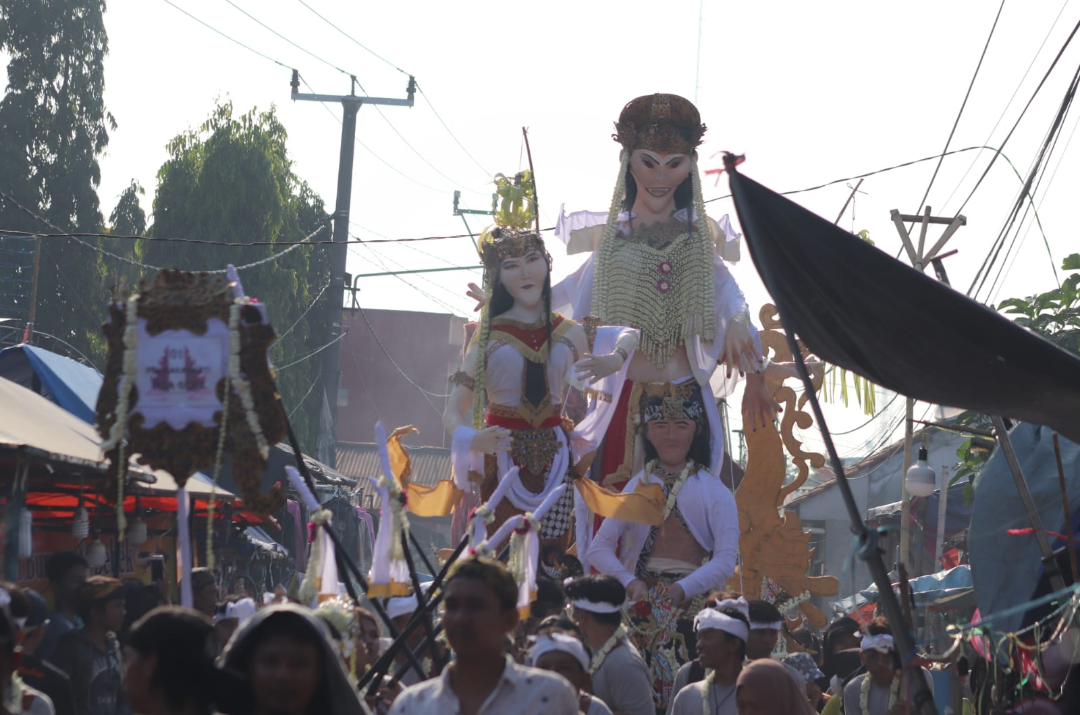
[765, 626]
[721, 645]
[564, 653]
[882, 689]
[619, 674]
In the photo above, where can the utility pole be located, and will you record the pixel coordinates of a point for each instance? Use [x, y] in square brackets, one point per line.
[919, 258]
[458, 211]
[338, 252]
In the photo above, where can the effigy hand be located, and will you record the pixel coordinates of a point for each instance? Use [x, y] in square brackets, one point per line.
[637, 590]
[596, 367]
[477, 293]
[739, 352]
[758, 408]
[491, 440]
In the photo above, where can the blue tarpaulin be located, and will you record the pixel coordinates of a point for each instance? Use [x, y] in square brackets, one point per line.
[69, 384]
[952, 588]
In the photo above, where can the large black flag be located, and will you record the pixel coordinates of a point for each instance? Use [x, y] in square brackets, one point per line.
[856, 307]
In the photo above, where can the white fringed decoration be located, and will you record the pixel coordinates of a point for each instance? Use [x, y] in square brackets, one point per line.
[389, 575]
[184, 535]
[524, 556]
[322, 549]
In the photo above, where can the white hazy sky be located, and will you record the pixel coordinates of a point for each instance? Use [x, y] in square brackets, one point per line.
[810, 92]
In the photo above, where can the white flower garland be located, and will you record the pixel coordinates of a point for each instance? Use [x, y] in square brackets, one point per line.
[792, 603]
[706, 693]
[518, 556]
[234, 343]
[864, 694]
[679, 481]
[119, 426]
[601, 655]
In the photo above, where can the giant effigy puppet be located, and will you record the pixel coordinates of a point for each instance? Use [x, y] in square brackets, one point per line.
[505, 409]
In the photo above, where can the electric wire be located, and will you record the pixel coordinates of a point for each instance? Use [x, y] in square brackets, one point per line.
[304, 314]
[1008, 104]
[378, 257]
[353, 39]
[306, 395]
[960, 113]
[427, 99]
[1020, 118]
[313, 353]
[1036, 167]
[227, 37]
[286, 39]
[408, 379]
[369, 150]
[63, 342]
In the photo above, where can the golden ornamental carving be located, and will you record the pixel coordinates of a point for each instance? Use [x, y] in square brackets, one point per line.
[774, 546]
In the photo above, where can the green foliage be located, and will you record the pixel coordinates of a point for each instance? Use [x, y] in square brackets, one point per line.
[1055, 315]
[231, 180]
[53, 127]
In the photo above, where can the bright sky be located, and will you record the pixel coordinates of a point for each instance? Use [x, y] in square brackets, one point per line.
[810, 92]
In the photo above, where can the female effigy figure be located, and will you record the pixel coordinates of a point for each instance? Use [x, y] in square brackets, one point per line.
[657, 266]
[505, 408]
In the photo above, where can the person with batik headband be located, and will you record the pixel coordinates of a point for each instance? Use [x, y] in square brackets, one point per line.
[669, 567]
[657, 264]
[882, 689]
[506, 403]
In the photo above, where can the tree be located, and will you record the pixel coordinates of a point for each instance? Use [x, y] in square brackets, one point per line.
[53, 127]
[232, 181]
[1055, 315]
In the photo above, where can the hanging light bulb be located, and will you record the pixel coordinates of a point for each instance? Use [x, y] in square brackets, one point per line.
[96, 553]
[921, 478]
[136, 528]
[26, 537]
[80, 524]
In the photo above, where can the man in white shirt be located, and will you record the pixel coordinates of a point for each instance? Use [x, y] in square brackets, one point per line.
[721, 645]
[619, 675]
[668, 568]
[881, 690]
[480, 611]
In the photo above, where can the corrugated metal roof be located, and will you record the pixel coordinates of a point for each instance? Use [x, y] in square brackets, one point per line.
[360, 460]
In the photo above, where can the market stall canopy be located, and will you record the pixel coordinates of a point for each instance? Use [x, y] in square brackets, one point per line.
[32, 426]
[71, 385]
[946, 589]
[1007, 567]
[858, 308]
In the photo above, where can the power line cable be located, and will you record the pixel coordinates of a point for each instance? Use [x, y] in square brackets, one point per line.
[302, 315]
[227, 37]
[354, 40]
[306, 395]
[963, 105]
[313, 353]
[1037, 166]
[286, 39]
[378, 257]
[371, 152]
[1016, 124]
[1008, 104]
[408, 379]
[448, 131]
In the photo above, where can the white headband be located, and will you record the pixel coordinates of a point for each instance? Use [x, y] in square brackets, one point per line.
[596, 606]
[739, 604]
[557, 642]
[882, 643]
[774, 626]
[711, 618]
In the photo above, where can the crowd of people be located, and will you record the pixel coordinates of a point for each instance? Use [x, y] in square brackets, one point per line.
[90, 655]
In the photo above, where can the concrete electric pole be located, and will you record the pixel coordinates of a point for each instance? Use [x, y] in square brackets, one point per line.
[332, 355]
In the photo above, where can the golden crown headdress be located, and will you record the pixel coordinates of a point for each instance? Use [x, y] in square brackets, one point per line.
[665, 123]
[514, 233]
